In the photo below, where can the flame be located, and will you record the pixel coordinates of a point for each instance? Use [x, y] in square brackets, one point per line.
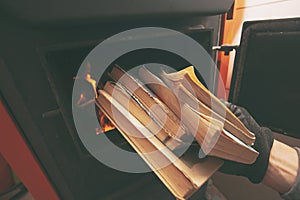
[105, 124]
[81, 99]
[90, 80]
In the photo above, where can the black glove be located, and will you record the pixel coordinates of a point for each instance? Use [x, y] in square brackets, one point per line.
[263, 144]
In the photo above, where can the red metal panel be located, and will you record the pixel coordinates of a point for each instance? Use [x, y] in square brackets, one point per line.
[6, 178]
[16, 152]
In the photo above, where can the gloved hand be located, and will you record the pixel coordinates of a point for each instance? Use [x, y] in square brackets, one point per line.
[263, 144]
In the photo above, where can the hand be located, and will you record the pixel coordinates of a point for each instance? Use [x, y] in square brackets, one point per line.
[263, 144]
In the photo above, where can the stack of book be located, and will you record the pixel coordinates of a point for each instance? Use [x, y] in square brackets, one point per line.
[159, 114]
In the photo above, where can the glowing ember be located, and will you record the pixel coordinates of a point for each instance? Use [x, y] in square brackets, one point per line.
[90, 80]
[105, 124]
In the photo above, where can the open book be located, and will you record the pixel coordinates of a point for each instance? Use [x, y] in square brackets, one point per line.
[162, 116]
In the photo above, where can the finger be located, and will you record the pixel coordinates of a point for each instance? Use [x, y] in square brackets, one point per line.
[226, 103]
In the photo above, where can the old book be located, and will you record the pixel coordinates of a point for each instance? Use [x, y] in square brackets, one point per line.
[188, 79]
[228, 142]
[215, 140]
[182, 176]
[185, 96]
[164, 116]
[155, 119]
[118, 92]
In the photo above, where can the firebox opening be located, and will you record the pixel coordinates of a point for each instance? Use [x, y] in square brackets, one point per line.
[63, 61]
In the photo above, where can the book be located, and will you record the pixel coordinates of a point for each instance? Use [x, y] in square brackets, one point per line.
[119, 93]
[188, 79]
[216, 141]
[185, 96]
[227, 141]
[158, 110]
[161, 115]
[182, 176]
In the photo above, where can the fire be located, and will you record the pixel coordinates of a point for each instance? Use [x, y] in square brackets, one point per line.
[105, 124]
[81, 99]
[90, 80]
[82, 102]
